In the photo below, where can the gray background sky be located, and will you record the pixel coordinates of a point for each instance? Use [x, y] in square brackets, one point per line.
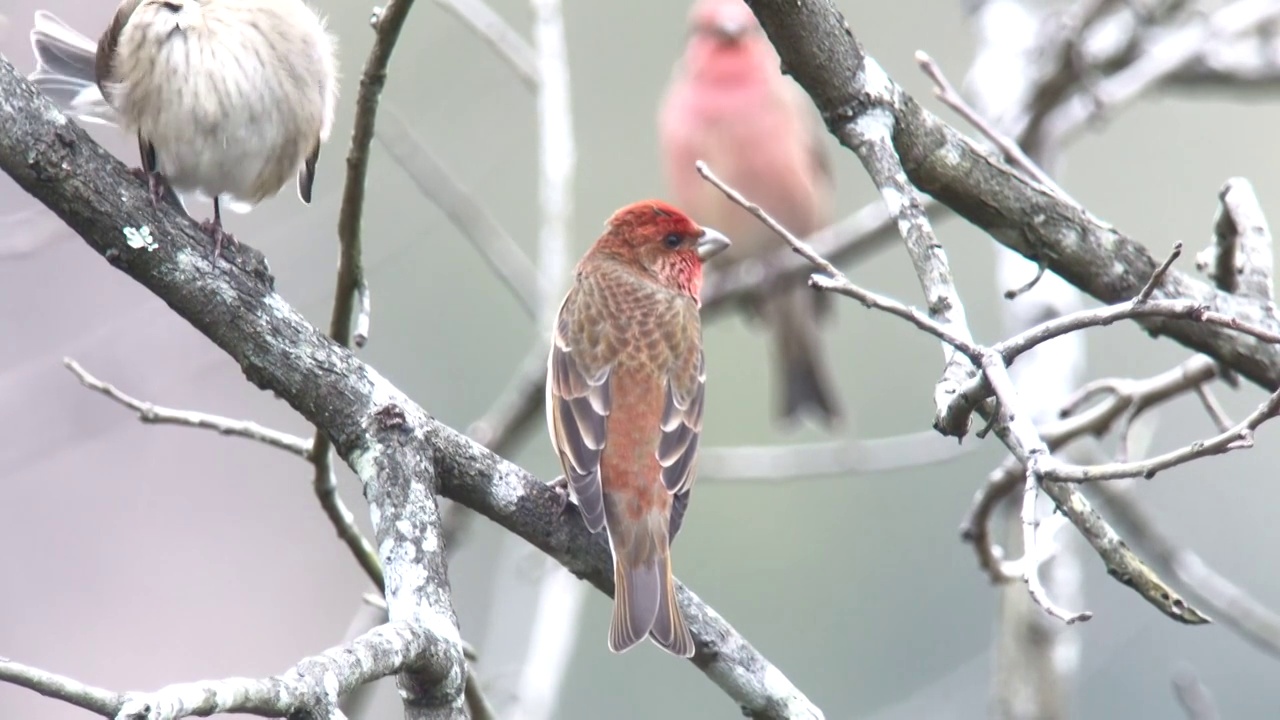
[139, 556]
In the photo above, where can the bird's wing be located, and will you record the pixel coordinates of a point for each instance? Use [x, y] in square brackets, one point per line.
[578, 405]
[105, 61]
[307, 173]
[682, 420]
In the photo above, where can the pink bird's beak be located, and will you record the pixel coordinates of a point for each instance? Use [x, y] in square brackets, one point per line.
[711, 243]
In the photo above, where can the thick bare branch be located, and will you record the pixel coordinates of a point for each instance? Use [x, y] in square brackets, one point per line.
[400, 453]
[820, 52]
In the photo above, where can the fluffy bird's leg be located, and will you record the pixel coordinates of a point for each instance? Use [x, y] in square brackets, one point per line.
[213, 228]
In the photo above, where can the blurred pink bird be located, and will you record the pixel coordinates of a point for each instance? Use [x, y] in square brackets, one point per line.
[729, 105]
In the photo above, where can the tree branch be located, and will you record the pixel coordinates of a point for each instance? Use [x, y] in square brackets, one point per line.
[1014, 428]
[352, 292]
[820, 51]
[311, 687]
[400, 453]
[157, 415]
[504, 256]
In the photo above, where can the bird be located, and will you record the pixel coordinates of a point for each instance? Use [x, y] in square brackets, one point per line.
[229, 99]
[626, 379]
[727, 103]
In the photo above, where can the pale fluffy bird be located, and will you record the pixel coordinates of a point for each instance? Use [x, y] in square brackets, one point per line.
[230, 99]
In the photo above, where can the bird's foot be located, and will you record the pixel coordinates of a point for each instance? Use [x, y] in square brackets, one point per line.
[157, 185]
[213, 228]
[561, 487]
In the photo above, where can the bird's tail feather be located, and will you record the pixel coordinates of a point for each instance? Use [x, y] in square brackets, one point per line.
[669, 630]
[806, 382]
[66, 69]
[644, 597]
[635, 602]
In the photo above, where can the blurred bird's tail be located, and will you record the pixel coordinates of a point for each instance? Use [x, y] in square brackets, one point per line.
[805, 380]
[66, 70]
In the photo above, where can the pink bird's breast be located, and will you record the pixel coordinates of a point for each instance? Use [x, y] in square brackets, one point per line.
[751, 135]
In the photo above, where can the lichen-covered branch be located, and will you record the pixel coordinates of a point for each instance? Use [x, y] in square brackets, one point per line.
[401, 454]
[821, 52]
[311, 688]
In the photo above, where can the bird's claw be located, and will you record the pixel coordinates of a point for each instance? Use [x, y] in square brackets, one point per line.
[156, 184]
[561, 487]
[213, 229]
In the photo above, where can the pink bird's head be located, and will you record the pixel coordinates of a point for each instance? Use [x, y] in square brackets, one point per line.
[726, 43]
[654, 237]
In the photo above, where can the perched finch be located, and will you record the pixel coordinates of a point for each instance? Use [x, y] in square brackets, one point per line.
[729, 105]
[625, 382]
[230, 99]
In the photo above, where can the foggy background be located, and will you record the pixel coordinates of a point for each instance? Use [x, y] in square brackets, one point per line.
[137, 556]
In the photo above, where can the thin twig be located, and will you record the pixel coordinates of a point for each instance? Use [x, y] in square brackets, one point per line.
[1213, 407]
[505, 41]
[1157, 277]
[1123, 397]
[947, 94]
[518, 405]
[862, 456]
[94, 699]
[1193, 696]
[1231, 604]
[1236, 438]
[559, 597]
[387, 25]
[155, 414]
[505, 257]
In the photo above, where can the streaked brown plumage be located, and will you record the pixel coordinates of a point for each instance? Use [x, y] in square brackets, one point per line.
[625, 385]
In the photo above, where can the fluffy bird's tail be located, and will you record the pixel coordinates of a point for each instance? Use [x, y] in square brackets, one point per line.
[66, 69]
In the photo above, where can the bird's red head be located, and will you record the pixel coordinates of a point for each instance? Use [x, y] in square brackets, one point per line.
[655, 237]
[726, 43]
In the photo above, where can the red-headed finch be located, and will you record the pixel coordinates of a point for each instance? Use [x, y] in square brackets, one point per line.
[625, 382]
[729, 105]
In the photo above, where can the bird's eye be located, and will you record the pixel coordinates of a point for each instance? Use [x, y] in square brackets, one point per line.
[672, 241]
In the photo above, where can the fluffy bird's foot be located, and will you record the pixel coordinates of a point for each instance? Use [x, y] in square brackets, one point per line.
[561, 487]
[213, 228]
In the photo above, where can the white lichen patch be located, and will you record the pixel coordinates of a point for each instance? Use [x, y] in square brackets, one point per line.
[876, 126]
[893, 201]
[54, 115]
[876, 81]
[507, 487]
[140, 237]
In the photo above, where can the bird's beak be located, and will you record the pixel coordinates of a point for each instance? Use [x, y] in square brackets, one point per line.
[731, 30]
[711, 243]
